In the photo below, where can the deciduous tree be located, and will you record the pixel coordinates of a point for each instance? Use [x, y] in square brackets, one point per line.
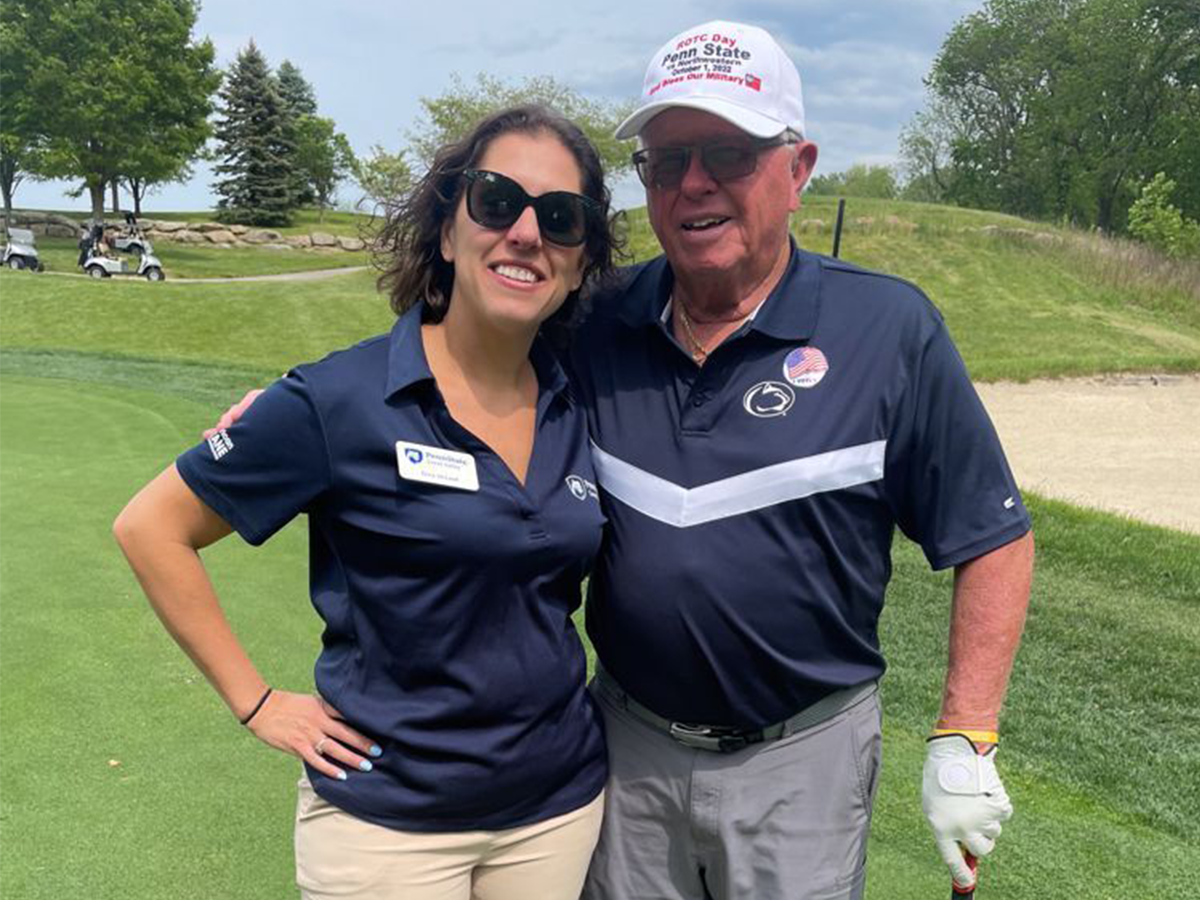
[323, 158]
[110, 78]
[1062, 107]
[451, 115]
[860, 180]
[19, 138]
[383, 177]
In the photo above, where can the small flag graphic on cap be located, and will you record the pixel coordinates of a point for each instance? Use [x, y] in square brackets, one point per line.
[753, 82]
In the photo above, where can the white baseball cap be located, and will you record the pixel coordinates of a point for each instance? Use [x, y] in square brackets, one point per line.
[734, 71]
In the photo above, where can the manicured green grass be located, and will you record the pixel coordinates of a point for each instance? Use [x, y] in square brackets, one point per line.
[124, 776]
[199, 261]
[268, 325]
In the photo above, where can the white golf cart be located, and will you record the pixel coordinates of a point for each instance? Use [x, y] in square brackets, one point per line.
[96, 260]
[19, 252]
[131, 240]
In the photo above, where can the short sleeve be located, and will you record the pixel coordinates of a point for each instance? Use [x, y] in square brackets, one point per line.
[270, 466]
[946, 476]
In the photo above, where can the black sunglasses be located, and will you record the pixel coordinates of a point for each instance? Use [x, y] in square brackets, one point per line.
[664, 167]
[496, 201]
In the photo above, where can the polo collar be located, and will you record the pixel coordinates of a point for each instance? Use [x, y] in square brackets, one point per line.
[408, 365]
[789, 313]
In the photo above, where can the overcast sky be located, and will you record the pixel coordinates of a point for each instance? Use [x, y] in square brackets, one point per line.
[861, 62]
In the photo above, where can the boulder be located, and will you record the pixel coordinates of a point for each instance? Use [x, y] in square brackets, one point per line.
[812, 225]
[189, 237]
[321, 239]
[239, 229]
[22, 219]
[262, 236]
[205, 227]
[351, 243]
[219, 236]
[865, 221]
[55, 229]
[170, 227]
[276, 246]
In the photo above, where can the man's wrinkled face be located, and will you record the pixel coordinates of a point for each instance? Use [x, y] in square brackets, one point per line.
[732, 229]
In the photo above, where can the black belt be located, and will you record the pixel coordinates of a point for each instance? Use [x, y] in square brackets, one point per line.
[728, 738]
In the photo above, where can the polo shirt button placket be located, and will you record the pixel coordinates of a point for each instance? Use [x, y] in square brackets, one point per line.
[698, 409]
[531, 518]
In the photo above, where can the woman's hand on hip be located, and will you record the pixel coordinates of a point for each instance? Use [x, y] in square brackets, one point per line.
[308, 727]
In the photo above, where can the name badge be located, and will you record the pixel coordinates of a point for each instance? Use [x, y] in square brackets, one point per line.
[434, 465]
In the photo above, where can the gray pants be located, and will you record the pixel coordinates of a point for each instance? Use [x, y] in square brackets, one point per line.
[784, 819]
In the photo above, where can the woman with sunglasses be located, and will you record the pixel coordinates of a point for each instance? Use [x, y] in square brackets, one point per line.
[451, 749]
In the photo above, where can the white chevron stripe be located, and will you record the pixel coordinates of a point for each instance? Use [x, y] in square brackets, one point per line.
[682, 507]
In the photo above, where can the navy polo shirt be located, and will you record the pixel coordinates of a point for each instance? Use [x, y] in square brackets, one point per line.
[448, 635]
[752, 501]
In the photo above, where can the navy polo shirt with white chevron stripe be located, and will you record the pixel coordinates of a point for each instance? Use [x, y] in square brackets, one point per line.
[446, 585]
[752, 501]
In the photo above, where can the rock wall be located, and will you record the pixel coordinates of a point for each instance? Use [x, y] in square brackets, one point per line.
[213, 234]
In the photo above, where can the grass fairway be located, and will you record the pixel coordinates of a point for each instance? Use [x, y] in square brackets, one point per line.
[199, 261]
[124, 777]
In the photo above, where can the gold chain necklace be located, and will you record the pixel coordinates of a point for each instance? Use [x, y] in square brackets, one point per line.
[699, 354]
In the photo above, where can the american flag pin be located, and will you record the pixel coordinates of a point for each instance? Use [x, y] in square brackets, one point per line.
[805, 367]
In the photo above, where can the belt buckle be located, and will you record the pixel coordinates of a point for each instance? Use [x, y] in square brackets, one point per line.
[707, 737]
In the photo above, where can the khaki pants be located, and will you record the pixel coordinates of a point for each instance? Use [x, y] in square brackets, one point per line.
[338, 855]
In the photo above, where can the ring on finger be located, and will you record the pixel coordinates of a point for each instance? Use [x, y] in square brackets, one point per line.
[319, 749]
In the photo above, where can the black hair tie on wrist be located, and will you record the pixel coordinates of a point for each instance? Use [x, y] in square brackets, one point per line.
[257, 707]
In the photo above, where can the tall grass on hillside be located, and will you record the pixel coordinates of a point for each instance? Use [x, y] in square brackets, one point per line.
[1138, 269]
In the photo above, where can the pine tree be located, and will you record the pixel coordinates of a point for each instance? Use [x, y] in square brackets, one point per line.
[298, 95]
[299, 100]
[258, 187]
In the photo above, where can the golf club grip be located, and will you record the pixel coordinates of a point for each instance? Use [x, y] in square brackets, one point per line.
[957, 893]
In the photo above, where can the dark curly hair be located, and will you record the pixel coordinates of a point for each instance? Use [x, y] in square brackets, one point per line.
[408, 248]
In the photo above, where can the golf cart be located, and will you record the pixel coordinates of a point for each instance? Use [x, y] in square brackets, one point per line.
[131, 240]
[19, 252]
[96, 260]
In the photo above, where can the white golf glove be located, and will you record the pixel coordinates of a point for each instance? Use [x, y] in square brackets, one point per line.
[964, 802]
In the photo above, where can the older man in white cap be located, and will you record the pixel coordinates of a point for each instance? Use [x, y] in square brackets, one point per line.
[763, 419]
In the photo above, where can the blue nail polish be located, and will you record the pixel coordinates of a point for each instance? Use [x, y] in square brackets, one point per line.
[365, 766]
[376, 750]
[341, 775]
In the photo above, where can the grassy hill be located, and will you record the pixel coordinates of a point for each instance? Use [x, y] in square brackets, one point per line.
[1022, 300]
[124, 777]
